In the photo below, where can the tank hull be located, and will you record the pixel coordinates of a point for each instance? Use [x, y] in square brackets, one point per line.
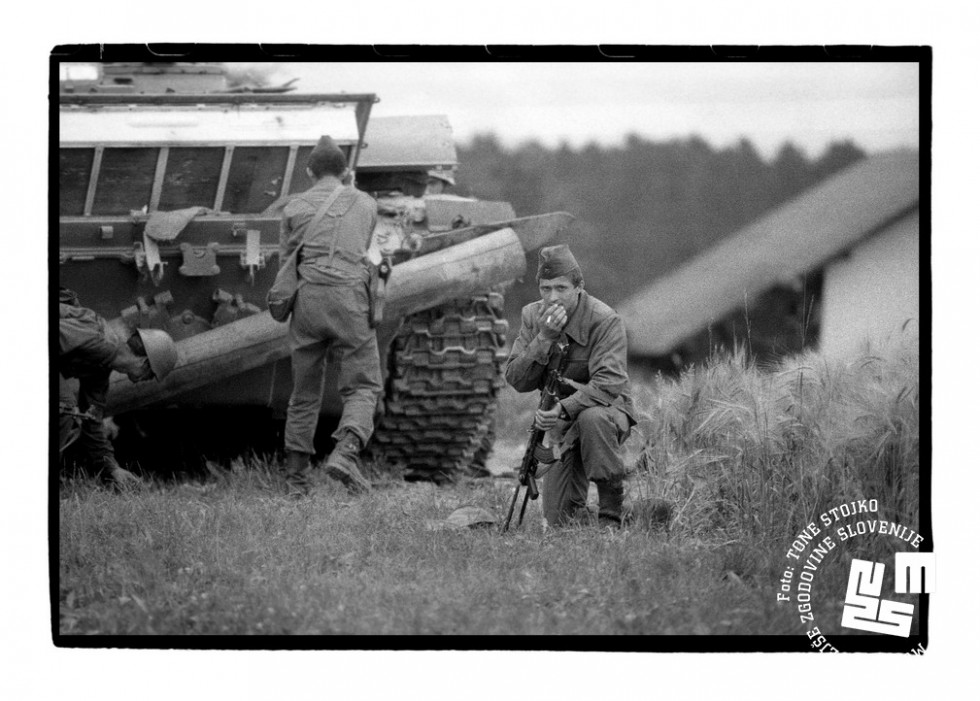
[209, 358]
[170, 209]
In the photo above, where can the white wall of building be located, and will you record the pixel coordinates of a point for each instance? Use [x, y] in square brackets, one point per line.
[871, 295]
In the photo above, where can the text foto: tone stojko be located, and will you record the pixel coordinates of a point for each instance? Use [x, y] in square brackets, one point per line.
[850, 530]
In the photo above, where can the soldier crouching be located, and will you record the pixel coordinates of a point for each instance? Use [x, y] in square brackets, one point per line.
[595, 412]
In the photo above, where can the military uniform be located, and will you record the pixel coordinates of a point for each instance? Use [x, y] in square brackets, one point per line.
[600, 410]
[331, 316]
[86, 353]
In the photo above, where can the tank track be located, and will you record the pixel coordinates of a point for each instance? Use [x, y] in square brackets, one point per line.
[446, 370]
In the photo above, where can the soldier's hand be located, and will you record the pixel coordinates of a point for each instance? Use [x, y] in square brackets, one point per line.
[121, 479]
[545, 419]
[91, 415]
[553, 320]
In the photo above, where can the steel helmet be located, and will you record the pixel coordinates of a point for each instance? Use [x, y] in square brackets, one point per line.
[444, 175]
[160, 349]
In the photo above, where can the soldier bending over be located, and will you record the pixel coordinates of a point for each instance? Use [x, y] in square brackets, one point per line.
[90, 351]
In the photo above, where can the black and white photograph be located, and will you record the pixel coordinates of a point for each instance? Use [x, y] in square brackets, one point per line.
[558, 351]
[343, 370]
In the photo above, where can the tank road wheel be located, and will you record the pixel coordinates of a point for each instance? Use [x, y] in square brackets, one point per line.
[447, 368]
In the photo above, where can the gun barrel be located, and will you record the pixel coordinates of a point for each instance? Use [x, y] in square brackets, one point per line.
[258, 340]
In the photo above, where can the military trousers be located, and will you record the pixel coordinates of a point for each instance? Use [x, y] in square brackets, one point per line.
[330, 324]
[591, 451]
[80, 440]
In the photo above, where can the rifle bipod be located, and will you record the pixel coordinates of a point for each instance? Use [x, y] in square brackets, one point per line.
[530, 492]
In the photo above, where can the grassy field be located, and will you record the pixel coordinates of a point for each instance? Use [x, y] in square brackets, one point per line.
[745, 457]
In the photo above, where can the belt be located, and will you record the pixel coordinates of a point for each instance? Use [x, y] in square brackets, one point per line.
[341, 260]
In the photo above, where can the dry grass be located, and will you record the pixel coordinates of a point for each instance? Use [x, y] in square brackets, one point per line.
[232, 559]
[746, 457]
[761, 453]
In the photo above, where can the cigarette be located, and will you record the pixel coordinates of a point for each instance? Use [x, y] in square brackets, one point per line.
[548, 320]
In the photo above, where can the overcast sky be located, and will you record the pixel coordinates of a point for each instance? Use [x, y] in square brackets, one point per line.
[810, 104]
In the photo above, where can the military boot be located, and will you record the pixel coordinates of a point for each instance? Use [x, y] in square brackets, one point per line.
[121, 479]
[298, 473]
[610, 501]
[342, 465]
[118, 478]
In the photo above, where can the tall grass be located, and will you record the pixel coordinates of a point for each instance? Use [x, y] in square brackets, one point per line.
[760, 452]
[746, 456]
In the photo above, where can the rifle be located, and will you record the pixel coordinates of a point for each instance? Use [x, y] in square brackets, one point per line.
[75, 413]
[529, 465]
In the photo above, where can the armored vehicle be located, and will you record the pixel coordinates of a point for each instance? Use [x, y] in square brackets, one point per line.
[171, 185]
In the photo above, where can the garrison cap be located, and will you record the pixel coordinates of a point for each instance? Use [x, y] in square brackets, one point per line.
[326, 157]
[555, 261]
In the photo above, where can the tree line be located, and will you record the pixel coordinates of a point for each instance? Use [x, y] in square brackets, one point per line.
[644, 207]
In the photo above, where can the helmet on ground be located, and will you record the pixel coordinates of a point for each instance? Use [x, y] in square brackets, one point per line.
[160, 349]
[470, 517]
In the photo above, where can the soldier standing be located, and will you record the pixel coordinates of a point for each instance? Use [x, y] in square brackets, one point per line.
[331, 318]
[595, 411]
[90, 351]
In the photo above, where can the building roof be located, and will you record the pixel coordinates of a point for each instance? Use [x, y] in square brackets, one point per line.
[793, 239]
